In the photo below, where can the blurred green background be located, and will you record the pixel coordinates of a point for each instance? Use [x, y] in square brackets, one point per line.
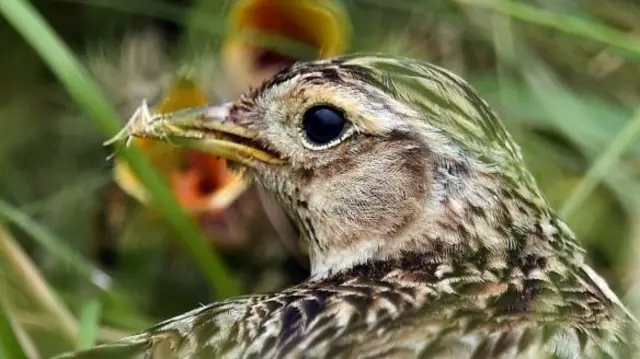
[76, 269]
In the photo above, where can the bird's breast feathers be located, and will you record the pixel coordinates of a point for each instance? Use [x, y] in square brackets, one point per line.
[398, 313]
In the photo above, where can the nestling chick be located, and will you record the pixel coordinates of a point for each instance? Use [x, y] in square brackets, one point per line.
[428, 237]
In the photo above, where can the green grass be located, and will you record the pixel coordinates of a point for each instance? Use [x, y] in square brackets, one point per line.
[581, 26]
[89, 323]
[563, 77]
[602, 165]
[74, 77]
[10, 347]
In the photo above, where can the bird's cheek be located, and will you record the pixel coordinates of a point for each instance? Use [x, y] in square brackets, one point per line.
[361, 205]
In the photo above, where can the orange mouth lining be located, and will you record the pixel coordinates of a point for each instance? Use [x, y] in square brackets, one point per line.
[266, 58]
[274, 34]
[291, 23]
[274, 19]
[196, 178]
[200, 177]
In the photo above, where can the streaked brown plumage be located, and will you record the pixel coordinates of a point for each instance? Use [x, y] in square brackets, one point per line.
[428, 237]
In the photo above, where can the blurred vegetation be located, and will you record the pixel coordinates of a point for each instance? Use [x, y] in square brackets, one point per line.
[563, 75]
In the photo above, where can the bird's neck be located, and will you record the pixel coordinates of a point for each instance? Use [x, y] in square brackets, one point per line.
[475, 235]
[474, 224]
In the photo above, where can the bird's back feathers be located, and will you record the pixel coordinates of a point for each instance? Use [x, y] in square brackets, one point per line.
[384, 310]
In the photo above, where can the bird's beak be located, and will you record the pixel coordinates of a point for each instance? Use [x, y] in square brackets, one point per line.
[264, 36]
[200, 181]
[207, 129]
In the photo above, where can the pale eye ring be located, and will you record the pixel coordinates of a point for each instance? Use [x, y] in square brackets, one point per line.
[323, 126]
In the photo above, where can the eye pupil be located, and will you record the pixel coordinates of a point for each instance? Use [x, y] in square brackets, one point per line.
[323, 124]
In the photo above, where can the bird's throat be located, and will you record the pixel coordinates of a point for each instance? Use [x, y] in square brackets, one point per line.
[472, 228]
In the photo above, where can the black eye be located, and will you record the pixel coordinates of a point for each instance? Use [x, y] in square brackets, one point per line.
[323, 124]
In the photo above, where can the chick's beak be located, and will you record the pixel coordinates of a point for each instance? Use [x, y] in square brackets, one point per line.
[200, 181]
[265, 36]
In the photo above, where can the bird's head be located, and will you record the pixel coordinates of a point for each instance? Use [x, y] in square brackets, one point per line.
[374, 157]
[249, 54]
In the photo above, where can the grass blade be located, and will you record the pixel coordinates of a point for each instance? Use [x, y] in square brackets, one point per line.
[29, 23]
[570, 24]
[89, 323]
[10, 347]
[588, 29]
[36, 286]
[54, 245]
[601, 166]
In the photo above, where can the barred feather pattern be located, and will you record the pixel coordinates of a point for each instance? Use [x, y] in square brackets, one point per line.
[410, 309]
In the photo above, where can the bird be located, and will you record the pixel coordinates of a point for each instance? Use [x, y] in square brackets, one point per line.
[427, 235]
